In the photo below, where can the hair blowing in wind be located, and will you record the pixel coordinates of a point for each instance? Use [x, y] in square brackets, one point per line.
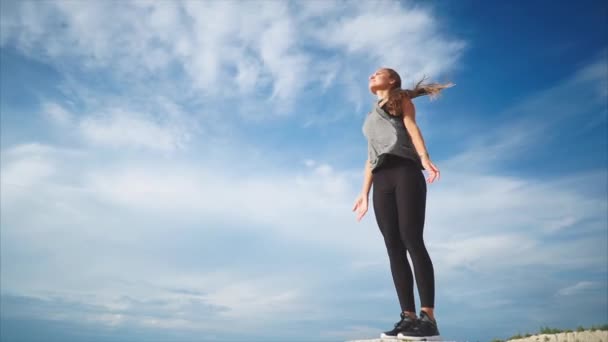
[396, 94]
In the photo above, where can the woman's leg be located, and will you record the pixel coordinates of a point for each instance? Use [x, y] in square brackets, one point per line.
[410, 194]
[385, 210]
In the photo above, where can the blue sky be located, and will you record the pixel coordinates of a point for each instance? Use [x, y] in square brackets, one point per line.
[186, 170]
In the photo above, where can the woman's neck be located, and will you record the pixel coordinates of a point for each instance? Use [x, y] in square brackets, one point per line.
[382, 94]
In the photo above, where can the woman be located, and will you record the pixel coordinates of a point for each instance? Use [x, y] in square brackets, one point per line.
[396, 156]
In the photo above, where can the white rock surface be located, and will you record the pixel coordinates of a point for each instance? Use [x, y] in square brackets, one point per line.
[385, 340]
[395, 340]
[577, 336]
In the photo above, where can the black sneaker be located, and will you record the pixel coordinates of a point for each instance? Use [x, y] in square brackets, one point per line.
[424, 330]
[404, 324]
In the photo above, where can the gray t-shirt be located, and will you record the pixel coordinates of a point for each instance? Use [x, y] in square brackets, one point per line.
[386, 134]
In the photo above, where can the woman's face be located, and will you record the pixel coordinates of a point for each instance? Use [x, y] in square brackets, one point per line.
[380, 80]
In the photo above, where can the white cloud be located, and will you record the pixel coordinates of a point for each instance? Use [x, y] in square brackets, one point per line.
[257, 301]
[26, 172]
[156, 124]
[120, 128]
[353, 332]
[28, 166]
[579, 287]
[231, 49]
[359, 33]
[56, 113]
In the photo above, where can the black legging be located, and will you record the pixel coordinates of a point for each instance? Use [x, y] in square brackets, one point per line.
[399, 199]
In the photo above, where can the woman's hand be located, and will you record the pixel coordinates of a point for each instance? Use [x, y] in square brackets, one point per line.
[360, 206]
[430, 168]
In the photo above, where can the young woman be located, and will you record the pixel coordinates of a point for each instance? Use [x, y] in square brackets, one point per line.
[396, 156]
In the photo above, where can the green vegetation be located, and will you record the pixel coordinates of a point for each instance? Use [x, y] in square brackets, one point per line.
[515, 337]
[547, 330]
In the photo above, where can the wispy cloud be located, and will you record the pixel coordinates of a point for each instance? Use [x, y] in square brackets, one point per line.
[263, 49]
[576, 105]
[119, 128]
[579, 287]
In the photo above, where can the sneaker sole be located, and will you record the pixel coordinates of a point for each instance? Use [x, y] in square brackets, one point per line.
[388, 337]
[419, 338]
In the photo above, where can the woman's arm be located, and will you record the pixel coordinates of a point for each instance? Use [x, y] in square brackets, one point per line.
[363, 198]
[367, 178]
[409, 120]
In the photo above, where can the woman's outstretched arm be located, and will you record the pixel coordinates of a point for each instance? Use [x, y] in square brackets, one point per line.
[367, 178]
[363, 198]
[409, 120]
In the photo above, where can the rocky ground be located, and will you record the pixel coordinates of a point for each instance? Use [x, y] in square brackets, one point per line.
[577, 336]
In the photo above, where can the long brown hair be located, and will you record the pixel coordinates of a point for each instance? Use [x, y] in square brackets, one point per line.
[396, 94]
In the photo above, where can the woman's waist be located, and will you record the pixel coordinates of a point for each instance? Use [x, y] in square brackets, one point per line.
[388, 160]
